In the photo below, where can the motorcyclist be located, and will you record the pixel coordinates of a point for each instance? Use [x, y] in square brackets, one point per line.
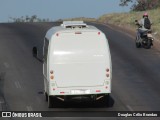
[142, 26]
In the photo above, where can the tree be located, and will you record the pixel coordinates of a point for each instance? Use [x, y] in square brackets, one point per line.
[141, 5]
[125, 2]
[33, 18]
[27, 18]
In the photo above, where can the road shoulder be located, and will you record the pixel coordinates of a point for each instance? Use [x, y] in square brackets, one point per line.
[129, 32]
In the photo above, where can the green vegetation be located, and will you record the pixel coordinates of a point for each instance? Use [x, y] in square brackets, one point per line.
[141, 5]
[27, 18]
[127, 19]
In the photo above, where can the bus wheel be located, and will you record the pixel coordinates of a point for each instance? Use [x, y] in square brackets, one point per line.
[50, 101]
[109, 102]
[46, 96]
[53, 102]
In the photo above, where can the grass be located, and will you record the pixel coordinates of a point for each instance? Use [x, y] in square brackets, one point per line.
[127, 19]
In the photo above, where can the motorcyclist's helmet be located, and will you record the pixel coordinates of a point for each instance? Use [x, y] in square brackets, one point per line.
[145, 14]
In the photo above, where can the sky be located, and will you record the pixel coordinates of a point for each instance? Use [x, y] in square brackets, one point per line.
[58, 9]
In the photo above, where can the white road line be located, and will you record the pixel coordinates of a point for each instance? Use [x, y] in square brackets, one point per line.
[130, 108]
[29, 108]
[17, 84]
[6, 64]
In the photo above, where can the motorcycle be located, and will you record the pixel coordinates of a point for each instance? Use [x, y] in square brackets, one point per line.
[146, 38]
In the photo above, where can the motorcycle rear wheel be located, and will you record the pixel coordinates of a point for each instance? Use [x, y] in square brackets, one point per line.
[148, 45]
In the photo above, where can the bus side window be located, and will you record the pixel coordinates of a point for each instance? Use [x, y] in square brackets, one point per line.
[46, 43]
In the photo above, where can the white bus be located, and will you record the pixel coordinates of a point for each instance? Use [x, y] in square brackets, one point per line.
[77, 62]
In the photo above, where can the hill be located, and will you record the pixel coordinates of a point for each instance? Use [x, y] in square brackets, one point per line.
[127, 20]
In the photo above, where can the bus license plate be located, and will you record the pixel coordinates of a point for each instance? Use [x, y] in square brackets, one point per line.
[80, 91]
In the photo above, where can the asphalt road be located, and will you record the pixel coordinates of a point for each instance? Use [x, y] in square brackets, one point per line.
[135, 83]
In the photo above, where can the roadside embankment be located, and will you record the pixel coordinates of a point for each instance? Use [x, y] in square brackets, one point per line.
[127, 20]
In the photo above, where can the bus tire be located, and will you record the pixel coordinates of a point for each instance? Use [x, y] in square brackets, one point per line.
[50, 101]
[109, 101]
[46, 96]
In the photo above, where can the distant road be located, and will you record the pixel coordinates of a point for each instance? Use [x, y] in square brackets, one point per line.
[136, 72]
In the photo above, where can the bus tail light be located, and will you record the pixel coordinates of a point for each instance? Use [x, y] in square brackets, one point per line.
[57, 34]
[78, 32]
[99, 33]
[98, 90]
[52, 77]
[107, 75]
[107, 72]
[51, 74]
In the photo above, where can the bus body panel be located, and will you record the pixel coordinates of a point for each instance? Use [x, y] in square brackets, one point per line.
[80, 61]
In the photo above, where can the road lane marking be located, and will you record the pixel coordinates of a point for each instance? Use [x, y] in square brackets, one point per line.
[6, 64]
[130, 108]
[17, 84]
[29, 108]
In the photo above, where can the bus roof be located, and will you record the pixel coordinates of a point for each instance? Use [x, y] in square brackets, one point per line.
[71, 26]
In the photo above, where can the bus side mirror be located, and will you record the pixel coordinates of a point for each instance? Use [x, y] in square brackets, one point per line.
[35, 52]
